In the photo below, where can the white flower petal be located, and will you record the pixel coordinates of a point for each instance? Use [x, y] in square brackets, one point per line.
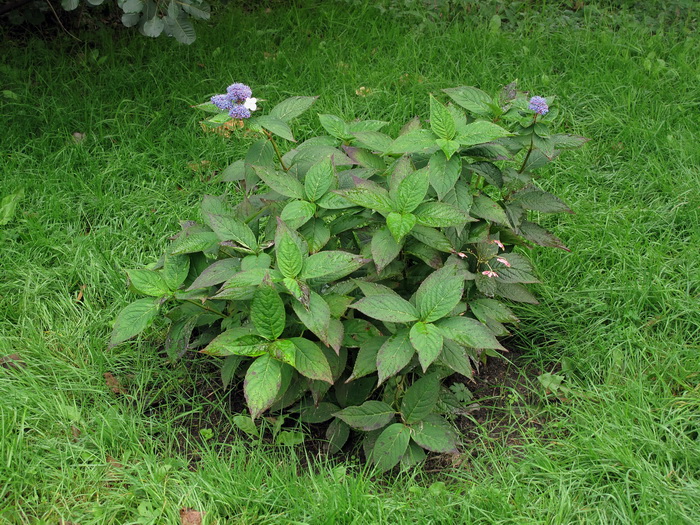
[251, 103]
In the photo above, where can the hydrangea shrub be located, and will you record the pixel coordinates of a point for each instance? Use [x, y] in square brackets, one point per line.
[356, 271]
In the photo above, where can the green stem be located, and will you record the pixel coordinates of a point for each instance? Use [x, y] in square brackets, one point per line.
[203, 307]
[277, 151]
[532, 140]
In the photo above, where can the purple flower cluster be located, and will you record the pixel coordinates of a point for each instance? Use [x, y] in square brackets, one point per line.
[539, 105]
[233, 100]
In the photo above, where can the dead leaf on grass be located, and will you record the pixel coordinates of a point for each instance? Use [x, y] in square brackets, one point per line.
[78, 137]
[12, 361]
[80, 293]
[190, 517]
[113, 383]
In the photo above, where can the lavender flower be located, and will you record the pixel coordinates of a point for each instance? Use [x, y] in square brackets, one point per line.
[239, 92]
[223, 102]
[239, 111]
[539, 105]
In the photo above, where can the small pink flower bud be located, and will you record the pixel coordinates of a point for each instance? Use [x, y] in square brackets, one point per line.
[462, 255]
[503, 261]
[498, 243]
[489, 273]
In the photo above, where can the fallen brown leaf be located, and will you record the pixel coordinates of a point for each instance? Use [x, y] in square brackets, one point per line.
[113, 383]
[80, 293]
[12, 361]
[191, 517]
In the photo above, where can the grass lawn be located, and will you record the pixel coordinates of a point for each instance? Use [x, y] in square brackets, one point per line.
[619, 317]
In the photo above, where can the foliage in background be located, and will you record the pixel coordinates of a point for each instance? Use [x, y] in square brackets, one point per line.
[371, 269]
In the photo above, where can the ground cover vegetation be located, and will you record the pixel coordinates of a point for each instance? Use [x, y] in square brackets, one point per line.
[103, 158]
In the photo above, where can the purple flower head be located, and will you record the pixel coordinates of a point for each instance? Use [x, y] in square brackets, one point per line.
[239, 92]
[539, 105]
[223, 102]
[239, 111]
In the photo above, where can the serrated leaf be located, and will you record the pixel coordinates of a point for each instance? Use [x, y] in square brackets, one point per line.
[444, 173]
[365, 158]
[517, 270]
[489, 171]
[179, 335]
[218, 272]
[181, 29]
[267, 312]
[276, 125]
[479, 132]
[455, 356]
[390, 446]
[374, 140]
[433, 238]
[532, 198]
[236, 341]
[370, 415]
[229, 228]
[490, 308]
[427, 340]
[317, 234]
[357, 331]
[472, 99]
[201, 11]
[420, 399]
[148, 282]
[394, 354]
[290, 258]
[512, 291]
[486, 208]
[384, 248]
[331, 265]
[292, 107]
[439, 293]
[233, 172]
[316, 317]
[400, 224]
[413, 142]
[175, 270]
[133, 319]
[283, 350]
[387, 307]
[411, 191]
[310, 361]
[318, 413]
[439, 215]
[193, 242]
[535, 233]
[368, 195]
[318, 179]
[468, 332]
[297, 213]
[461, 198]
[436, 435]
[335, 126]
[246, 424]
[441, 121]
[282, 183]
[263, 381]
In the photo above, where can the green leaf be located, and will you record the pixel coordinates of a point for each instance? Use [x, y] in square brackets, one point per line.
[384, 248]
[153, 27]
[246, 424]
[439, 215]
[201, 11]
[236, 341]
[292, 107]
[517, 270]
[297, 213]
[128, 6]
[487, 209]
[218, 272]
[489, 171]
[228, 369]
[436, 435]
[428, 341]
[420, 399]
[365, 125]
[260, 153]
[444, 173]
[400, 224]
[69, 5]
[368, 195]
[532, 198]
[455, 357]
[337, 435]
[230, 229]
[387, 307]
[479, 132]
[490, 308]
[357, 331]
[263, 381]
[283, 350]
[335, 126]
[242, 285]
[316, 317]
[370, 415]
[267, 312]
[310, 360]
[251, 262]
[535, 233]
[461, 198]
[412, 142]
[282, 183]
[148, 282]
[133, 319]
[179, 335]
[471, 99]
[411, 191]
[193, 242]
[175, 270]
[366, 360]
[330, 265]
[374, 140]
[316, 233]
[390, 446]
[319, 179]
[180, 28]
[468, 332]
[365, 158]
[276, 125]
[290, 258]
[233, 172]
[441, 121]
[413, 455]
[439, 294]
[448, 147]
[394, 354]
[8, 206]
[433, 238]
